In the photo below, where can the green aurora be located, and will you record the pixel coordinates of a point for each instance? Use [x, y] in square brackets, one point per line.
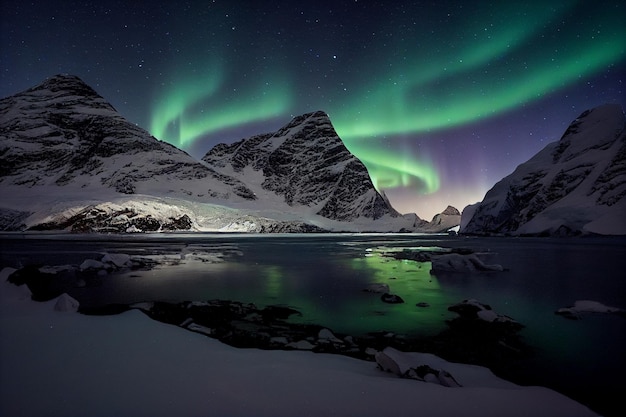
[440, 81]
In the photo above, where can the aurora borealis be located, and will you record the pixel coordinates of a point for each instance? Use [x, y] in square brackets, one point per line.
[439, 99]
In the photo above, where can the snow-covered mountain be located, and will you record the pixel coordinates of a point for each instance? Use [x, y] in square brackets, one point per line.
[444, 221]
[63, 133]
[308, 166]
[69, 161]
[573, 186]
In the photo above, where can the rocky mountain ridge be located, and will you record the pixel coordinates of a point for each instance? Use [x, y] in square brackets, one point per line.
[69, 161]
[307, 164]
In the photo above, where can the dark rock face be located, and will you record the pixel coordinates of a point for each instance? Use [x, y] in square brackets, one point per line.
[43, 286]
[307, 164]
[573, 186]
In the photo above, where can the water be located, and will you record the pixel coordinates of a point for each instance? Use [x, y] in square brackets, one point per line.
[323, 276]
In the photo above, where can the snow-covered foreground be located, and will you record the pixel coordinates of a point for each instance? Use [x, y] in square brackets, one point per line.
[68, 364]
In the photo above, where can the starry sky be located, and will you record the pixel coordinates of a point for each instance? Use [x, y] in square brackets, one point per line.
[440, 99]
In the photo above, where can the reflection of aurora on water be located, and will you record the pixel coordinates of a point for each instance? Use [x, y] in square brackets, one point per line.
[362, 312]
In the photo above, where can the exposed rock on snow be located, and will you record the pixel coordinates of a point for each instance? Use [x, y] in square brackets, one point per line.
[574, 186]
[42, 285]
[403, 365]
[198, 328]
[66, 303]
[113, 218]
[455, 262]
[328, 336]
[588, 306]
[91, 264]
[120, 260]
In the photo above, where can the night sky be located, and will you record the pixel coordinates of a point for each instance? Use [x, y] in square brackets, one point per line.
[439, 99]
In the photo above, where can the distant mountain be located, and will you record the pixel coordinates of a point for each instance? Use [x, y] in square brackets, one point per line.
[307, 165]
[69, 161]
[574, 186]
[444, 221]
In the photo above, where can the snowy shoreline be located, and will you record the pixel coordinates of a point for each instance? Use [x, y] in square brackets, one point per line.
[68, 364]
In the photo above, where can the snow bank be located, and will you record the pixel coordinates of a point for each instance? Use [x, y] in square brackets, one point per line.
[58, 364]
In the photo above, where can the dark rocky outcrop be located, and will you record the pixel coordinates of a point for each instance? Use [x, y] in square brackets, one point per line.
[307, 164]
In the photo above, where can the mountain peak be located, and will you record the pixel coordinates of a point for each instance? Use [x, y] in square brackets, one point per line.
[607, 114]
[66, 83]
[451, 211]
[306, 164]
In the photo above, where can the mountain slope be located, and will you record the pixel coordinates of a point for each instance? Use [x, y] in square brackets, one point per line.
[307, 165]
[573, 186]
[62, 134]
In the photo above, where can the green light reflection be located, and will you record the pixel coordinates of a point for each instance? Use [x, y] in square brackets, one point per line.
[366, 312]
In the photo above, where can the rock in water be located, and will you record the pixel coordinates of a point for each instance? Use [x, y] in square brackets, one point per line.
[391, 298]
[376, 287]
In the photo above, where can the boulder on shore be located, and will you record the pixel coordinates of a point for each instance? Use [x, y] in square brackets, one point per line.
[403, 365]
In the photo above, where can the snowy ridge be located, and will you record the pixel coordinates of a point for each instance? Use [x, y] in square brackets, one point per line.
[573, 186]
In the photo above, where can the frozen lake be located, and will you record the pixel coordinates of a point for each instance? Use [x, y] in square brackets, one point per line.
[323, 276]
